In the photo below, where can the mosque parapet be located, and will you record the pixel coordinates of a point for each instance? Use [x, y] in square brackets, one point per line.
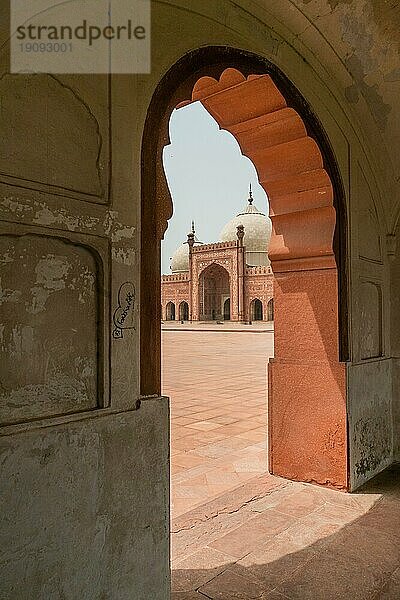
[175, 277]
[215, 246]
[262, 270]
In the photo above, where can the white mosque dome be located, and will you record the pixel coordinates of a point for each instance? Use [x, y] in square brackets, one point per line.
[257, 233]
[180, 259]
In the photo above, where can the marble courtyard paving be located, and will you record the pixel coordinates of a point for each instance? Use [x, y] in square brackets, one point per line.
[238, 533]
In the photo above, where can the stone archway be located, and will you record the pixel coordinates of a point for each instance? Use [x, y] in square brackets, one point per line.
[276, 129]
[227, 309]
[170, 311]
[184, 311]
[270, 310]
[256, 310]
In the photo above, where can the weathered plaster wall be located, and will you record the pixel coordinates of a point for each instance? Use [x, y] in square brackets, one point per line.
[364, 35]
[395, 340]
[396, 406]
[84, 508]
[49, 335]
[370, 374]
[370, 419]
[22, 97]
[84, 465]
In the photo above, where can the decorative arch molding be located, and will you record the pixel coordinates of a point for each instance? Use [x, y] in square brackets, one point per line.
[276, 129]
[218, 263]
[288, 161]
[215, 285]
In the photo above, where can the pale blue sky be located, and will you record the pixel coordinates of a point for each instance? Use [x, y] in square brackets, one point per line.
[208, 178]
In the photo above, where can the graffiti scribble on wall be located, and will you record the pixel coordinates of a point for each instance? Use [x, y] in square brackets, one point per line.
[124, 313]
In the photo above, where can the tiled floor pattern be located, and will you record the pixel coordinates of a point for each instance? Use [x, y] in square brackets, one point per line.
[275, 540]
[218, 388]
[239, 533]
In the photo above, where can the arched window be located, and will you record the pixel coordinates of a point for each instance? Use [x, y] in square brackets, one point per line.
[184, 311]
[270, 309]
[227, 309]
[256, 310]
[170, 311]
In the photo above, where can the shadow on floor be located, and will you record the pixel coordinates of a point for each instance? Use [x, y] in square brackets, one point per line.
[299, 557]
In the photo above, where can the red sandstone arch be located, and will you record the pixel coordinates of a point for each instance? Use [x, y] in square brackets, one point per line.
[307, 384]
[288, 162]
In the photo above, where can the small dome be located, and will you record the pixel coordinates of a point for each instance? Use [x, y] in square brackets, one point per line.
[180, 259]
[257, 233]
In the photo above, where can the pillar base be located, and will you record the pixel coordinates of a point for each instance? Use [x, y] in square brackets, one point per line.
[307, 422]
[307, 383]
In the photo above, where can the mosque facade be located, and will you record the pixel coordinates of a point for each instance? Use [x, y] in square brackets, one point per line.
[229, 280]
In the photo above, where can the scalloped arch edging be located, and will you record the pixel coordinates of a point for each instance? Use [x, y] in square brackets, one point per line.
[306, 379]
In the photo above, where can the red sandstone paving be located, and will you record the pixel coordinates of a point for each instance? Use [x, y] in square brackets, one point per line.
[239, 533]
[217, 408]
[285, 556]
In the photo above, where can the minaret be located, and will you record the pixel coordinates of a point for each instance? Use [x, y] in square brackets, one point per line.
[190, 241]
[240, 269]
[191, 238]
[240, 234]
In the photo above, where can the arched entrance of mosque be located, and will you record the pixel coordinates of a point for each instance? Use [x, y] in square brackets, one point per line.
[270, 309]
[227, 309]
[184, 311]
[256, 310]
[276, 128]
[170, 311]
[214, 286]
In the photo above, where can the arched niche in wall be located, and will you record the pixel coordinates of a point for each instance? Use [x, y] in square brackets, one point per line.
[48, 154]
